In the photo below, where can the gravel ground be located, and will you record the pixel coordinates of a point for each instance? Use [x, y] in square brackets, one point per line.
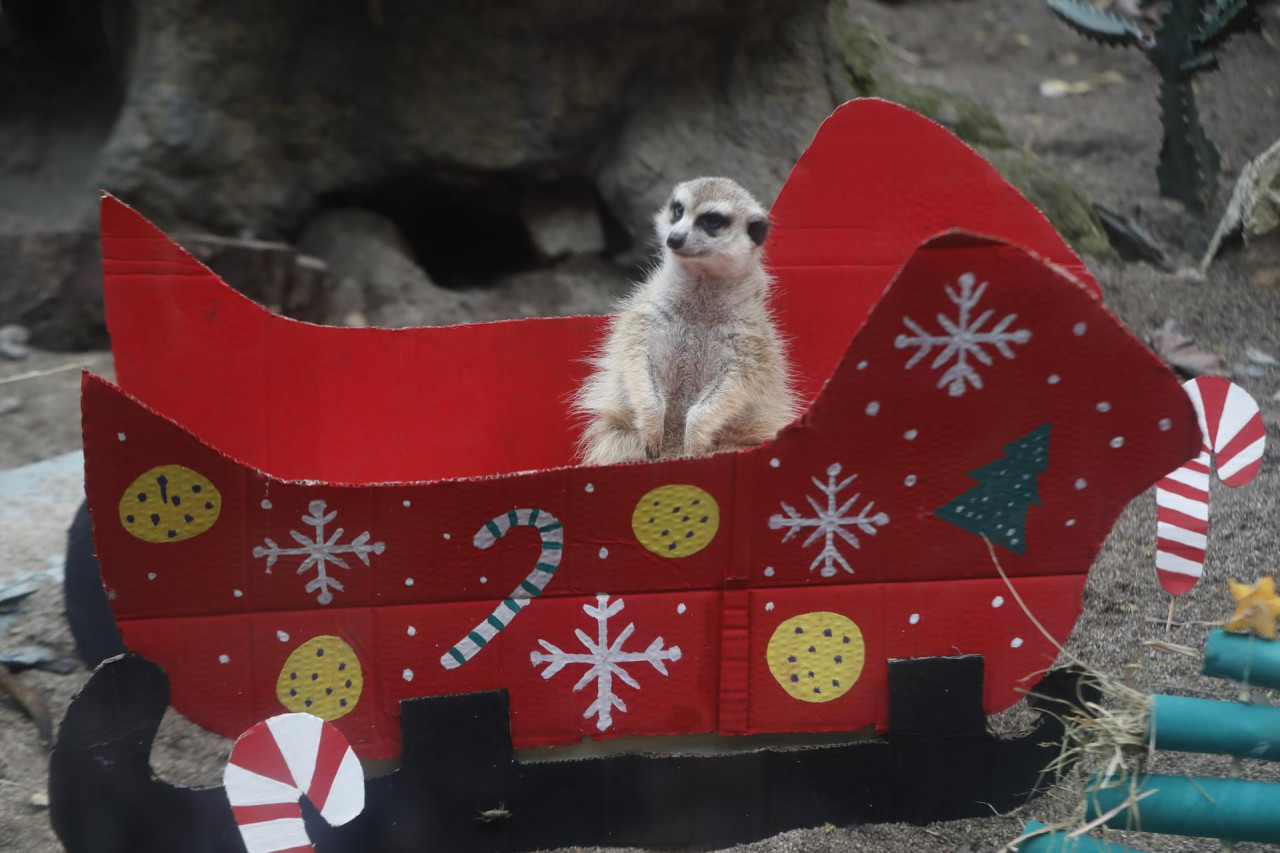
[1106, 140]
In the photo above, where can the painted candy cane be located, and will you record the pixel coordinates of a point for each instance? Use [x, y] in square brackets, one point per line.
[276, 763]
[552, 533]
[1233, 438]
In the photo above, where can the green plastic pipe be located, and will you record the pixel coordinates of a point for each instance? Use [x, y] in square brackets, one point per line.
[1222, 728]
[1057, 842]
[1227, 809]
[1243, 658]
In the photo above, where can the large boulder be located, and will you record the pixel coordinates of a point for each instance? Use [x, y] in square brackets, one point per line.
[461, 123]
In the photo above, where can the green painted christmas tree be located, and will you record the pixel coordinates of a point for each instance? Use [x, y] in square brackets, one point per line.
[997, 506]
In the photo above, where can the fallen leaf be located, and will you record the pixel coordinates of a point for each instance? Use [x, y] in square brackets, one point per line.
[1265, 277]
[1069, 60]
[1062, 88]
[1129, 239]
[1254, 207]
[1257, 356]
[1181, 352]
[1023, 40]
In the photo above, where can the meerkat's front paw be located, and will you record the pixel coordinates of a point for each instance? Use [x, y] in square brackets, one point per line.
[650, 428]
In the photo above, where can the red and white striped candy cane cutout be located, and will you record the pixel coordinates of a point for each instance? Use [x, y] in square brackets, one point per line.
[277, 762]
[1233, 438]
[552, 533]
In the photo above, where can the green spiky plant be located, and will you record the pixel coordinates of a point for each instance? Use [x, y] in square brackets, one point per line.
[1182, 44]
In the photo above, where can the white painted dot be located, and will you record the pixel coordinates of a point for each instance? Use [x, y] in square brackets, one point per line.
[1165, 424]
[447, 536]
[408, 581]
[774, 462]
[873, 408]
[282, 636]
[151, 576]
[1054, 379]
[408, 504]
[237, 593]
[119, 436]
[680, 608]
[768, 605]
[411, 631]
[224, 658]
[1079, 329]
[910, 435]
[590, 487]
[483, 579]
[998, 601]
[910, 481]
[1081, 483]
[266, 504]
[604, 553]
[407, 675]
[1117, 442]
[862, 365]
[768, 571]
[1071, 522]
[1015, 643]
[914, 618]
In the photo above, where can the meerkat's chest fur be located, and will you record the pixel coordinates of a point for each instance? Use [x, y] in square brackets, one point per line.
[694, 335]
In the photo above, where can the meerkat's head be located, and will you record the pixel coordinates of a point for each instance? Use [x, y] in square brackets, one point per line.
[712, 224]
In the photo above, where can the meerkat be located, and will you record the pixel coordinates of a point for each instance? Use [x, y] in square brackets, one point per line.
[692, 363]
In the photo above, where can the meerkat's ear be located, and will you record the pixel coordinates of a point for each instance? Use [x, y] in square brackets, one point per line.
[758, 229]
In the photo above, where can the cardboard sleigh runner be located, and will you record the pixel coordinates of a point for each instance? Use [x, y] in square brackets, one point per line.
[386, 530]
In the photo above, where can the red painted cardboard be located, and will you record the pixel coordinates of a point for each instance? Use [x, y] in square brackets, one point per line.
[280, 394]
[646, 599]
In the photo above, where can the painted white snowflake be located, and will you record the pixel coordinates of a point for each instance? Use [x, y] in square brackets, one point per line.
[830, 522]
[320, 552]
[604, 660]
[963, 338]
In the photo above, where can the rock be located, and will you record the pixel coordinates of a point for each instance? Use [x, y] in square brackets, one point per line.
[374, 273]
[272, 274]
[51, 283]
[13, 342]
[563, 219]
[448, 119]
[1064, 205]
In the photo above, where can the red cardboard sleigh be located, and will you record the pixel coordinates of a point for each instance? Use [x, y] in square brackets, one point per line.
[296, 517]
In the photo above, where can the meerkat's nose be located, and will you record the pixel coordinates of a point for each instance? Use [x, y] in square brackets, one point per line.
[675, 239]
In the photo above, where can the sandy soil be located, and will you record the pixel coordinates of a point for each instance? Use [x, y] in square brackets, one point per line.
[1107, 140]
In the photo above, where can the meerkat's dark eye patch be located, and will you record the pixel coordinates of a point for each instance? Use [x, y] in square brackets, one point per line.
[711, 222]
[758, 230]
[677, 211]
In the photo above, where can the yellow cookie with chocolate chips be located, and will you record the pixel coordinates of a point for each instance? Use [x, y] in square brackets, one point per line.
[321, 677]
[169, 503]
[816, 657]
[676, 520]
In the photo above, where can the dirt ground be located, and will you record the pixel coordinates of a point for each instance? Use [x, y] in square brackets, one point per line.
[1106, 141]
